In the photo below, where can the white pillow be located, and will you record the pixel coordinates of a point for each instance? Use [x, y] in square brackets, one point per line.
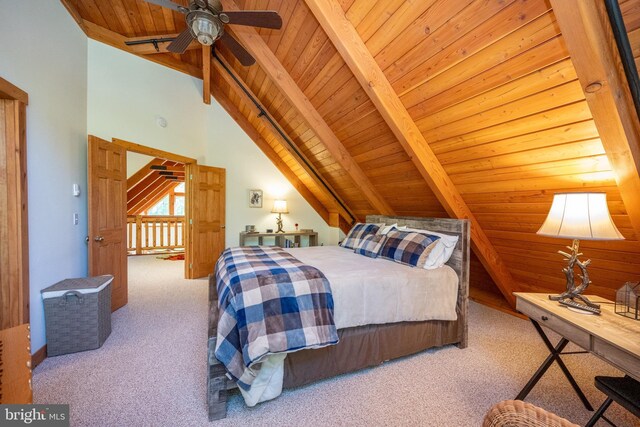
[387, 228]
[441, 252]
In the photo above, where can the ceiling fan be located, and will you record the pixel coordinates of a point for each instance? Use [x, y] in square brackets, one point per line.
[206, 20]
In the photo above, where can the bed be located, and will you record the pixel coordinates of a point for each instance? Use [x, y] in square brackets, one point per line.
[364, 345]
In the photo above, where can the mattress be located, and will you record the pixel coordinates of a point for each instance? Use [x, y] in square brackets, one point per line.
[377, 291]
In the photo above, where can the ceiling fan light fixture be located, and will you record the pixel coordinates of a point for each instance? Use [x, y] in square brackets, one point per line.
[205, 28]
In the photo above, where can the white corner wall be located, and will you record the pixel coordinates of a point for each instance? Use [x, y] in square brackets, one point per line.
[48, 60]
[126, 95]
[228, 146]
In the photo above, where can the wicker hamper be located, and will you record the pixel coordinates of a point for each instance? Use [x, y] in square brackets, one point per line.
[77, 314]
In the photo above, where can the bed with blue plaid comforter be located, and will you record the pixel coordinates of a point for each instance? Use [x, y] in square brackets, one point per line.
[269, 303]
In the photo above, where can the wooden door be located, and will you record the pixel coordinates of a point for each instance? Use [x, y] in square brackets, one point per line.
[14, 251]
[206, 211]
[108, 216]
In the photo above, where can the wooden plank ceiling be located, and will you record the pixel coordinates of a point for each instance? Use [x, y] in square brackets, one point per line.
[489, 84]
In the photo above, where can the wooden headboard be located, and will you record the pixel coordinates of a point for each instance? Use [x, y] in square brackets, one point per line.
[459, 260]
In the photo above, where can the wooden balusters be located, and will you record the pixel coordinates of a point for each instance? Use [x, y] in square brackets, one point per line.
[154, 233]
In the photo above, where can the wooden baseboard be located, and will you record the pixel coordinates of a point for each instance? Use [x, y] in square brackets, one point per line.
[493, 300]
[39, 356]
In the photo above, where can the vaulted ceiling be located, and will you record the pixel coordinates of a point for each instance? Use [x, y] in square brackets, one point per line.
[468, 108]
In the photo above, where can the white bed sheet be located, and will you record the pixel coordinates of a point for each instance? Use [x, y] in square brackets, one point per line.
[375, 291]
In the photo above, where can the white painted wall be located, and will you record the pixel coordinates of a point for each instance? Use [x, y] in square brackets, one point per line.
[248, 168]
[48, 60]
[127, 94]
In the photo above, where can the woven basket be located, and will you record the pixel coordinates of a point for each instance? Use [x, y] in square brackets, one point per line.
[77, 314]
[516, 413]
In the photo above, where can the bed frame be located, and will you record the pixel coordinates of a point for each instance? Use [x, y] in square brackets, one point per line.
[433, 333]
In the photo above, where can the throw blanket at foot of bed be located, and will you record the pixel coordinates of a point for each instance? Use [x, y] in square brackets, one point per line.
[270, 304]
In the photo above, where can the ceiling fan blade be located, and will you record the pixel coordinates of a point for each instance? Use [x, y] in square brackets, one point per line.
[255, 18]
[236, 48]
[170, 5]
[181, 43]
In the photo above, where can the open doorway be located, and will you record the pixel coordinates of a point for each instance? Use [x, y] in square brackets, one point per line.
[156, 193]
[112, 234]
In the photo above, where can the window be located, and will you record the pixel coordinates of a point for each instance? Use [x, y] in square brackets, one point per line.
[160, 208]
[178, 205]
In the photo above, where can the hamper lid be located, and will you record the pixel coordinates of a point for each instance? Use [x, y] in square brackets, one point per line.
[85, 285]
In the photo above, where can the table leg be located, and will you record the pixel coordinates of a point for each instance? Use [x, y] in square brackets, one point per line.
[553, 357]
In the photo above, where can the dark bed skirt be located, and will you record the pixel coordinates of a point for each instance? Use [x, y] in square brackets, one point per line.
[366, 346]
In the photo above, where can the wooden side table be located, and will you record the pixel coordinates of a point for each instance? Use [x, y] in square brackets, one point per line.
[611, 337]
[279, 238]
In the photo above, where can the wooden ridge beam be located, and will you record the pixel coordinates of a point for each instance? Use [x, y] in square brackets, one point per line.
[300, 158]
[277, 161]
[587, 32]
[254, 43]
[349, 44]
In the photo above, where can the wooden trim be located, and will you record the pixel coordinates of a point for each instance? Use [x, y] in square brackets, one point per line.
[298, 156]
[372, 79]
[71, 7]
[595, 56]
[38, 357]
[206, 74]
[153, 152]
[14, 259]
[9, 91]
[270, 64]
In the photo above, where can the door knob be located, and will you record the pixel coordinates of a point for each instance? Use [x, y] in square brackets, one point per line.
[98, 238]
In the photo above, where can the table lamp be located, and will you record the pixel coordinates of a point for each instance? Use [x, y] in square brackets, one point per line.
[578, 216]
[279, 207]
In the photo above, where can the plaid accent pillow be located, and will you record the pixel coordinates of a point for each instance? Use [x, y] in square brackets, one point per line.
[358, 232]
[370, 245]
[409, 248]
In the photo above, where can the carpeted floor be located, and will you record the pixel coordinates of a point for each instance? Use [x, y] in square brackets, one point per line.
[152, 369]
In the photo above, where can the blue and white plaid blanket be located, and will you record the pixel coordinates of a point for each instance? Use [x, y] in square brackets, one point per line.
[269, 303]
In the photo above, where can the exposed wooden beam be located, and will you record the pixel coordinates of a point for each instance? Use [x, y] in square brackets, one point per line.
[142, 173]
[587, 32]
[206, 74]
[158, 193]
[300, 158]
[116, 40]
[150, 49]
[251, 131]
[355, 53]
[254, 43]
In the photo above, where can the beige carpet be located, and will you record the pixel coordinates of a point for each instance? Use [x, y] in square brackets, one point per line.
[152, 372]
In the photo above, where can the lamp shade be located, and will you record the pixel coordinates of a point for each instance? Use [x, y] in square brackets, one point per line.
[580, 216]
[280, 206]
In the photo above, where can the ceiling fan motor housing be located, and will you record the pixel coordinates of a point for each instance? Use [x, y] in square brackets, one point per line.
[204, 26]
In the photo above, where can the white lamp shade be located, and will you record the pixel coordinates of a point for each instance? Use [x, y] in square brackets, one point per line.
[279, 206]
[580, 216]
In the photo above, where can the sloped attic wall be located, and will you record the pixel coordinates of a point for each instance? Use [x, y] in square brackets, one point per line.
[490, 85]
